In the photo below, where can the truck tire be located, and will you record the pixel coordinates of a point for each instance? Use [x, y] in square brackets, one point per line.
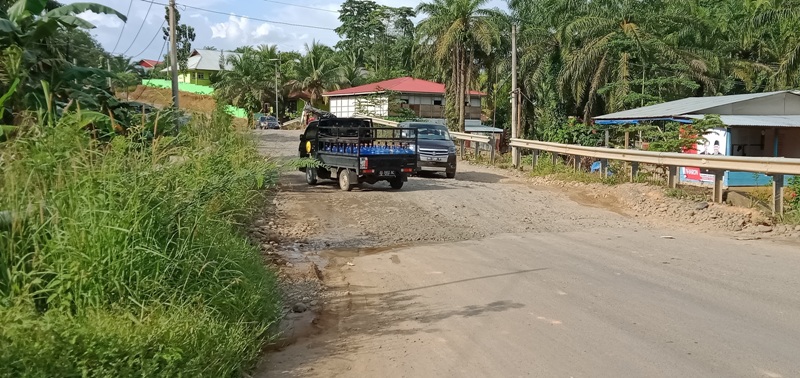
[311, 176]
[396, 183]
[450, 174]
[344, 180]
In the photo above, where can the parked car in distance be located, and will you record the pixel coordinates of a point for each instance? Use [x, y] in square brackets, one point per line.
[436, 149]
[268, 122]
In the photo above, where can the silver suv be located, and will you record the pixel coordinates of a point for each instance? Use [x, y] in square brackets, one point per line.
[437, 152]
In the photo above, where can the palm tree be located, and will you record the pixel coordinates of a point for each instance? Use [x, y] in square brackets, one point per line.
[250, 82]
[317, 72]
[613, 40]
[453, 32]
[352, 73]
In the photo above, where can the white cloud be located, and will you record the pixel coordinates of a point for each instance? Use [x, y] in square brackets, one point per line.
[262, 30]
[101, 20]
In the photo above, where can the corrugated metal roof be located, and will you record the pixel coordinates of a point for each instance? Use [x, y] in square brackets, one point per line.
[684, 106]
[208, 60]
[756, 120]
[482, 129]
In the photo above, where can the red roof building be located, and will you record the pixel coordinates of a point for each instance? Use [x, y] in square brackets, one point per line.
[425, 98]
[401, 85]
[148, 64]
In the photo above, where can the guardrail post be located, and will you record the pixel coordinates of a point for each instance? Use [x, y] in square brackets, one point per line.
[672, 177]
[477, 149]
[777, 194]
[604, 167]
[634, 170]
[534, 159]
[718, 176]
[463, 149]
[576, 162]
[555, 158]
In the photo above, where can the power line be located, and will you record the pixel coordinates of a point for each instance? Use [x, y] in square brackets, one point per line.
[121, 31]
[158, 31]
[144, 87]
[302, 6]
[144, 21]
[246, 17]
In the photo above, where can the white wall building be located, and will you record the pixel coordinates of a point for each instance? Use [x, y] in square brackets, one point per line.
[424, 98]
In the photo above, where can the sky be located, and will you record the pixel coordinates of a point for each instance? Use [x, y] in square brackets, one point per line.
[227, 30]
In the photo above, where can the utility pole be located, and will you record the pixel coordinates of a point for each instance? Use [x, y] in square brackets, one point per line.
[515, 158]
[277, 73]
[173, 54]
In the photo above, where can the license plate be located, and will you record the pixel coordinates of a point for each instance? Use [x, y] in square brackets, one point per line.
[387, 173]
[428, 158]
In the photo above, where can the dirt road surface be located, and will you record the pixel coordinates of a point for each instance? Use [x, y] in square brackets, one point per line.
[488, 275]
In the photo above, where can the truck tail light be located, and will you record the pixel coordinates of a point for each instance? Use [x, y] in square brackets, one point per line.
[407, 170]
[368, 171]
[364, 163]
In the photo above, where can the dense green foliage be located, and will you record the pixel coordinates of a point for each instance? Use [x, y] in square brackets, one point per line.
[588, 58]
[125, 258]
[121, 246]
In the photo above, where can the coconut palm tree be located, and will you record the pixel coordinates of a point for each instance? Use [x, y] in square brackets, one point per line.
[250, 82]
[317, 72]
[452, 33]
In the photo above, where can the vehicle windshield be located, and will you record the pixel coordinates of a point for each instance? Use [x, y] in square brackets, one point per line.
[432, 132]
[263, 119]
[269, 118]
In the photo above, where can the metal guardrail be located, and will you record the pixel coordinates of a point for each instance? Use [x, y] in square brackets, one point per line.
[471, 137]
[477, 139]
[773, 166]
[766, 165]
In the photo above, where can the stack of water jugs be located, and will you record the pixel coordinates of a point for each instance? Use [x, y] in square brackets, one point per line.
[368, 148]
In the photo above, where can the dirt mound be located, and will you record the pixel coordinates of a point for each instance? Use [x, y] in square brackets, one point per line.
[161, 97]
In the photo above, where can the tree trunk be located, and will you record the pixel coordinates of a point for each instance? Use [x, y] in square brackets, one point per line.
[460, 93]
[467, 84]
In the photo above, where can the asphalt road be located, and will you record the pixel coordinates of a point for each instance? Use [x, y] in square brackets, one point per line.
[583, 298]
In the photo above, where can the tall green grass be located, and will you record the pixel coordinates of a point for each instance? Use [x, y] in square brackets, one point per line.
[126, 258]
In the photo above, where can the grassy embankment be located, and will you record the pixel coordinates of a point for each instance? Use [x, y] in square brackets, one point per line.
[125, 258]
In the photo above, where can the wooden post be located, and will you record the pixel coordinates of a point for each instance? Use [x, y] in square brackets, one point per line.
[576, 162]
[607, 139]
[477, 149]
[173, 55]
[672, 177]
[491, 150]
[718, 176]
[627, 139]
[463, 149]
[634, 170]
[604, 167]
[534, 159]
[777, 193]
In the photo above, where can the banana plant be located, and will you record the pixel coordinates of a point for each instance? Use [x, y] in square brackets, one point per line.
[29, 27]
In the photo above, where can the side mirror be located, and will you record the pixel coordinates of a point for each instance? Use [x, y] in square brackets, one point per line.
[302, 137]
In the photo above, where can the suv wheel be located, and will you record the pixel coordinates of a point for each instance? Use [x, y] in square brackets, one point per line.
[451, 174]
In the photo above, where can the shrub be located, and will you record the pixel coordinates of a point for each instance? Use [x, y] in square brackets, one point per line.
[126, 258]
